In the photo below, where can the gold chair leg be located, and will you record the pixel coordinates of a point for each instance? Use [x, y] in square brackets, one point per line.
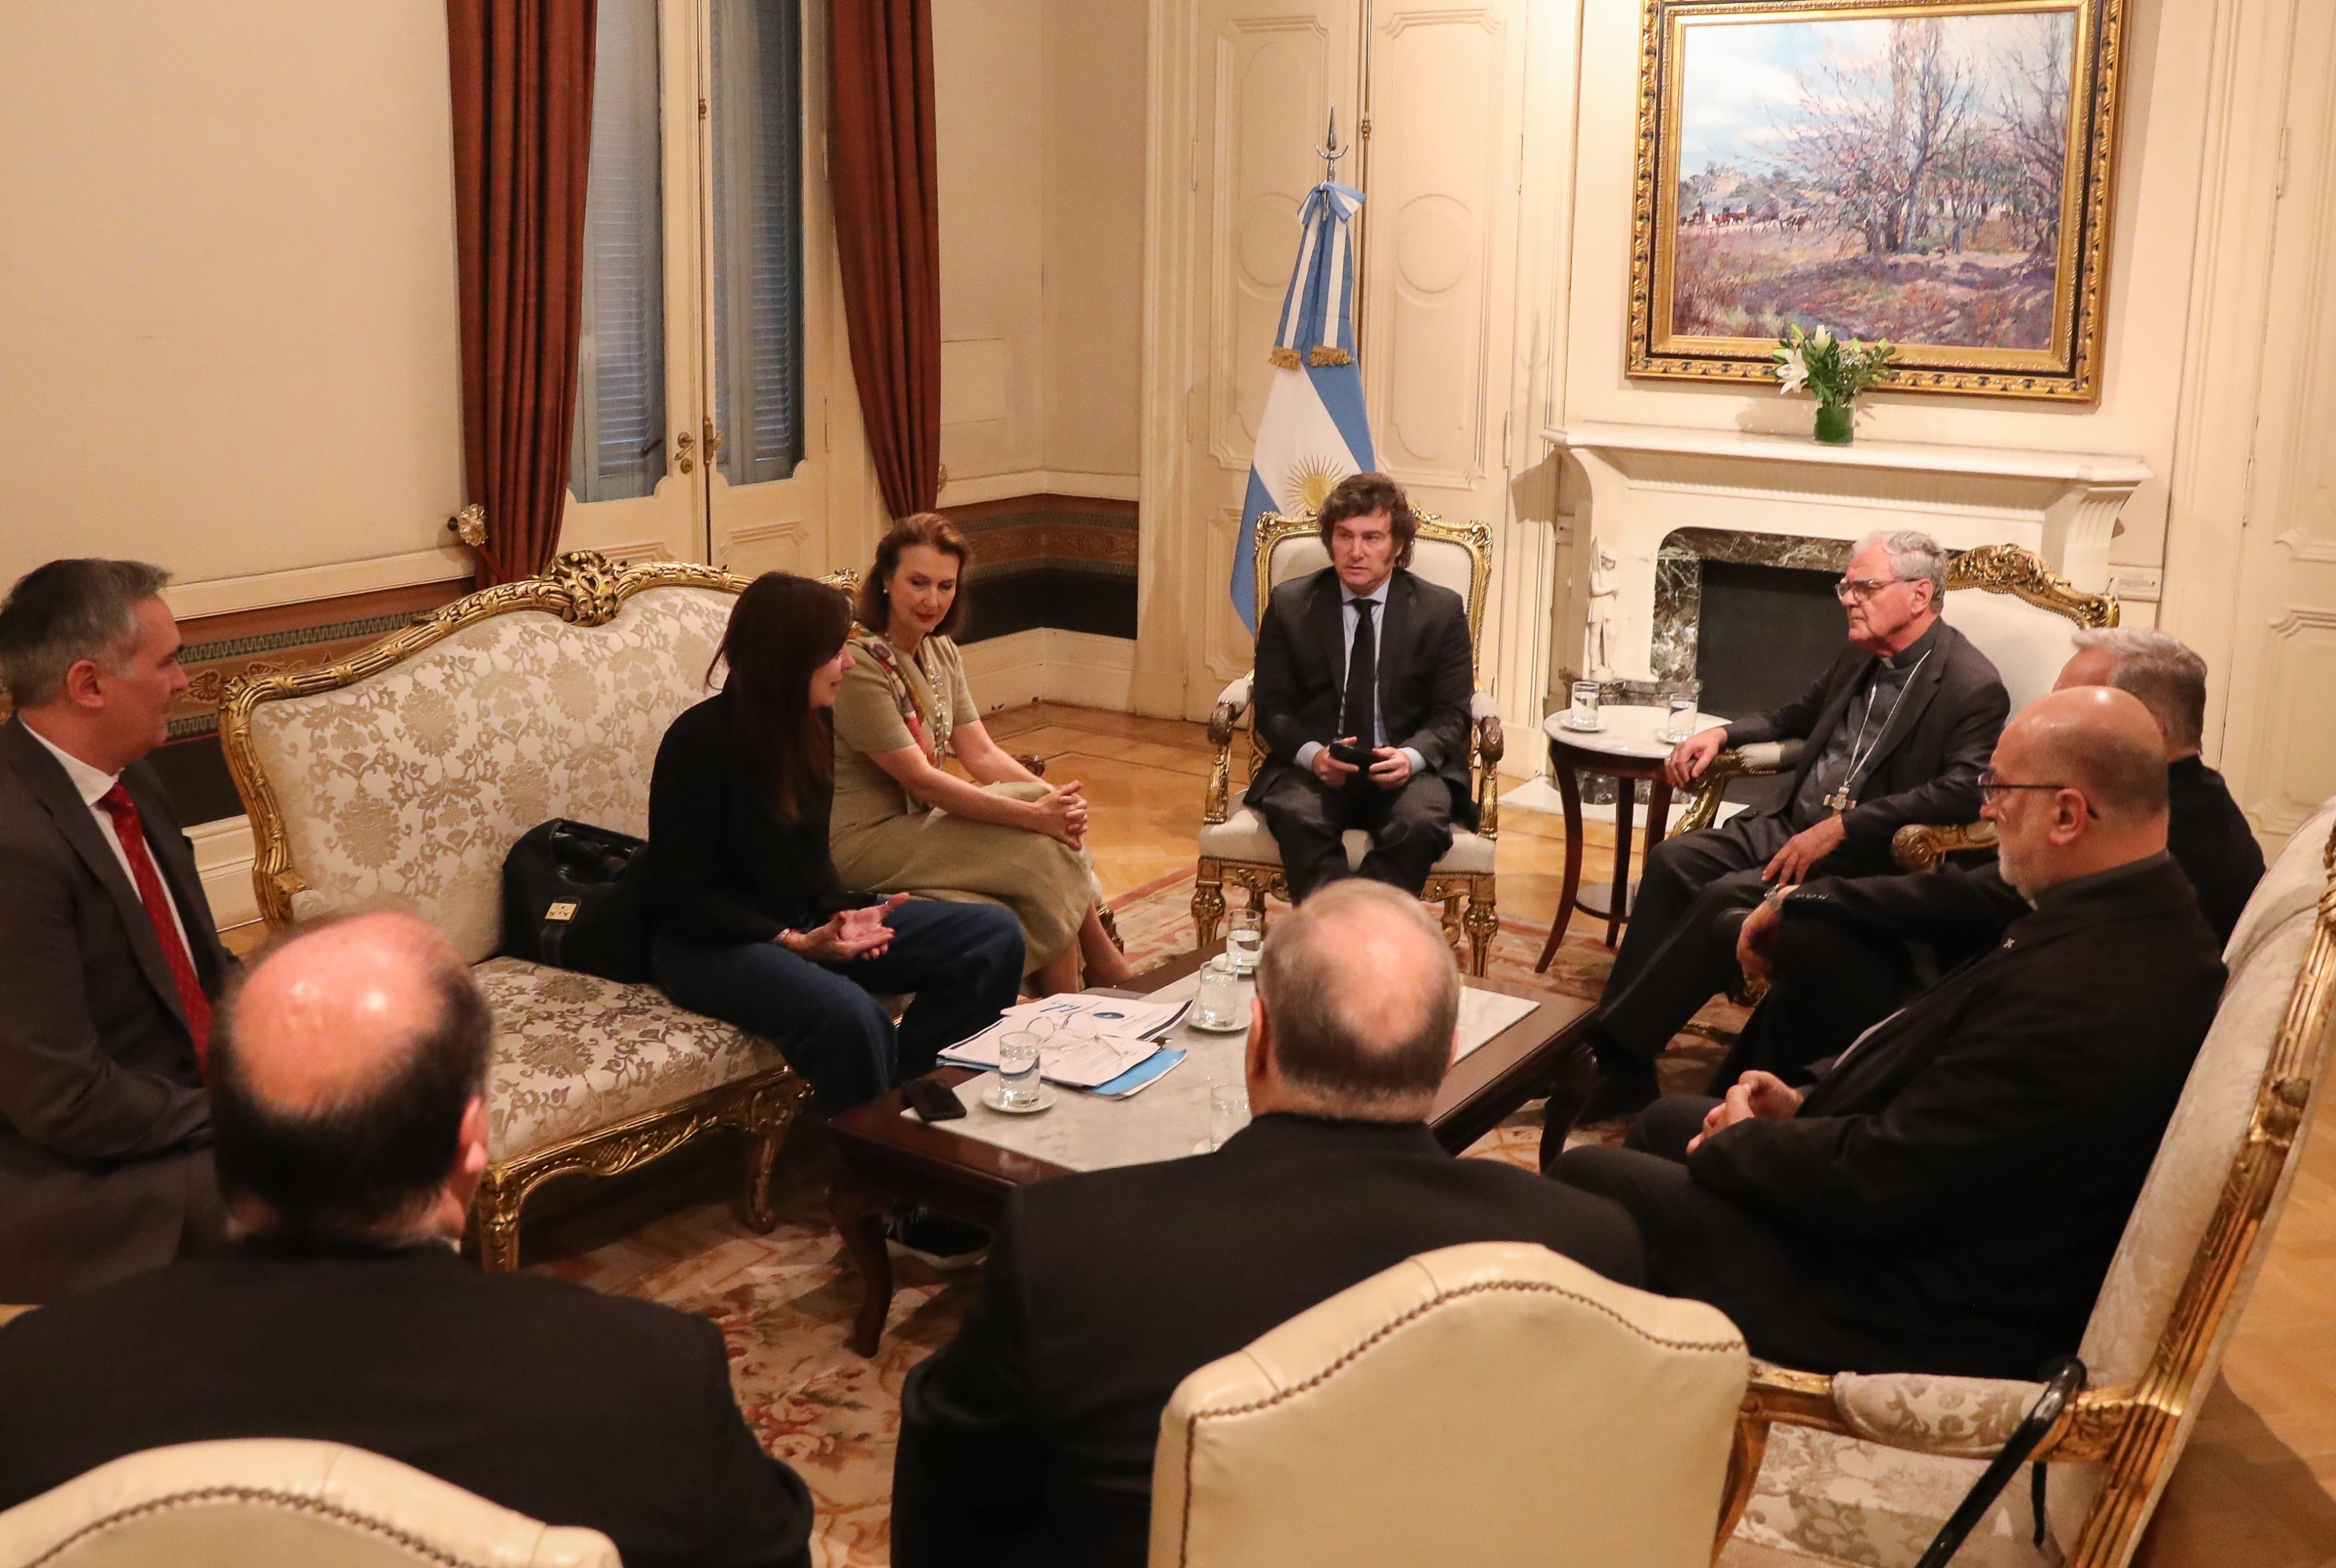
[1744, 1455]
[496, 1207]
[1483, 922]
[1450, 920]
[1208, 902]
[768, 1120]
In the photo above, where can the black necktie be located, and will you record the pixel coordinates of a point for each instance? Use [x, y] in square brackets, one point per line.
[1362, 680]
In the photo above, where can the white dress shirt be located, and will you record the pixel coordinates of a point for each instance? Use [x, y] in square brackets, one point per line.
[93, 785]
[1348, 618]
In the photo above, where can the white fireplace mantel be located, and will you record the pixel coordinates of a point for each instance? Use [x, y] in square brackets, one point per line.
[1646, 480]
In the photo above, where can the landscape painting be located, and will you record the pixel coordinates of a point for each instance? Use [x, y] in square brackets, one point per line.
[1932, 174]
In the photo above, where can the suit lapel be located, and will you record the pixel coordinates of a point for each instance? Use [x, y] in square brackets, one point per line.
[1395, 638]
[1329, 633]
[49, 785]
[1920, 689]
[166, 841]
[1822, 731]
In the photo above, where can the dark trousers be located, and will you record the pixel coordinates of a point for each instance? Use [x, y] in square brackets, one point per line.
[1679, 949]
[1703, 1246]
[963, 962]
[1410, 828]
[1829, 982]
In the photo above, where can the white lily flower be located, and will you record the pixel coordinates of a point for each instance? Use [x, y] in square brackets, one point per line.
[1793, 373]
[1824, 337]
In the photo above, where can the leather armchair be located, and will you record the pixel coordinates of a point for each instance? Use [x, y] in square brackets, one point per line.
[279, 1502]
[1487, 1403]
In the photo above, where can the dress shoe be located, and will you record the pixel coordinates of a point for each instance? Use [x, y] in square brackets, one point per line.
[1626, 1085]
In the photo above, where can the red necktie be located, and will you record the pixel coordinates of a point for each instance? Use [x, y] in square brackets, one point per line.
[116, 803]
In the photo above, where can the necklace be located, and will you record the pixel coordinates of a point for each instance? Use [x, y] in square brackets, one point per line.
[1860, 752]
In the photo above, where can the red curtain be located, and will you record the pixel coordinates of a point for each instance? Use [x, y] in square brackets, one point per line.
[885, 176]
[522, 72]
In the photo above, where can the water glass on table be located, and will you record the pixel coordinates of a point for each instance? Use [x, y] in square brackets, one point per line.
[1017, 1069]
[1228, 1112]
[1680, 699]
[1244, 936]
[1584, 714]
[1216, 1002]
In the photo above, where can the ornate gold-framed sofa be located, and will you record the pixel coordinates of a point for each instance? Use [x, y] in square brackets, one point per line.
[1863, 1468]
[1235, 844]
[2021, 615]
[400, 778]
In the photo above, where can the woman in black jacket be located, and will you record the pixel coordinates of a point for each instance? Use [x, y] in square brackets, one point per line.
[751, 924]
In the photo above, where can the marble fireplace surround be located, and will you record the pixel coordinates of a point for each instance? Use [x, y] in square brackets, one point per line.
[1649, 483]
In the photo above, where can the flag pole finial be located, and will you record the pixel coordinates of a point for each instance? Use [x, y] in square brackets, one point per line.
[1330, 152]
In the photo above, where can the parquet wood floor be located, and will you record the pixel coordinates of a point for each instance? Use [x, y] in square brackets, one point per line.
[2257, 1484]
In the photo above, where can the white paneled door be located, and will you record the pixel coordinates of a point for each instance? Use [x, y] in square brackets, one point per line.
[1430, 99]
[2279, 741]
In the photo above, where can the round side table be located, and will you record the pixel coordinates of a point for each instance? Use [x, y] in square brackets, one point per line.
[1626, 750]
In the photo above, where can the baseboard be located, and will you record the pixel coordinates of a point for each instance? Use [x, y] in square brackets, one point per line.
[1047, 664]
[224, 595]
[223, 857]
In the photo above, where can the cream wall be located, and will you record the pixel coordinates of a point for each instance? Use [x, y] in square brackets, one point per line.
[228, 342]
[1040, 108]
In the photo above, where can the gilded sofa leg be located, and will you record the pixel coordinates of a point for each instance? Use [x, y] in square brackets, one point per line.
[1744, 1455]
[496, 1207]
[1110, 927]
[1483, 922]
[1208, 902]
[770, 1116]
[1452, 921]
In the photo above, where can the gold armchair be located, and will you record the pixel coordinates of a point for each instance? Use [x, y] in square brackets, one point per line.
[1235, 846]
[2008, 602]
[1861, 1465]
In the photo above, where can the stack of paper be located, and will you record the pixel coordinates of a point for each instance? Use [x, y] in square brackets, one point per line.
[1108, 1045]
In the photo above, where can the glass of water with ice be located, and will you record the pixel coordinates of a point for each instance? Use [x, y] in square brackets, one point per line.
[1217, 1000]
[1680, 699]
[1228, 1112]
[1244, 935]
[1018, 1069]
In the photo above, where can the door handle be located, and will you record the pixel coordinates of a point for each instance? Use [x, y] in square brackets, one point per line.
[681, 447]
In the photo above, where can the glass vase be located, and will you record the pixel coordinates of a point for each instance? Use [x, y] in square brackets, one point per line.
[1836, 424]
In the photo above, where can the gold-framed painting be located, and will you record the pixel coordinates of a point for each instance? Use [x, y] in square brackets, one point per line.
[1934, 172]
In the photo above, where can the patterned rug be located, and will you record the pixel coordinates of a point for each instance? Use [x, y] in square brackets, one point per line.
[785, 1301]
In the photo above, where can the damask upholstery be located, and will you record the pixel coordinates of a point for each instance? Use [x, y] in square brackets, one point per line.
[2026, 643]
[280, 1503]
[404, 790]
[574, 1053]
[1243, 836]
[1491, 1403]
[1857, 1501]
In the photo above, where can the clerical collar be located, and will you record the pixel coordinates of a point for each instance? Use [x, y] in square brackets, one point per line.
[1912, 654]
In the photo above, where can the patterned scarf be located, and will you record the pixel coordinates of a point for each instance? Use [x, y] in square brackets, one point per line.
[930, 726]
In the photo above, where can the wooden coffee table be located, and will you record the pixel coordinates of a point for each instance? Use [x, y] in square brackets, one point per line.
[889, 1158]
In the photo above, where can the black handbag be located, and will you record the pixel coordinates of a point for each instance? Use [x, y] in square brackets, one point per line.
[575, 897]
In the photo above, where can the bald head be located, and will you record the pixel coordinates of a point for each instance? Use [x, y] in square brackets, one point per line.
[2087, 770]
[341, 1080]
[1361, 997]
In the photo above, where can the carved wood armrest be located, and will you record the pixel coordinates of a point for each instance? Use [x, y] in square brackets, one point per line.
[1489, 746]
[1924, 846]
[1761, 759]
[1231, 703]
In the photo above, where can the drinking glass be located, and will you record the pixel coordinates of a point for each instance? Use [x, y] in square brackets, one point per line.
[1680, 699]
[1018, 1069]
[1585, 712]
[1228, 1112]
[1214, 1004]
[1244, 935]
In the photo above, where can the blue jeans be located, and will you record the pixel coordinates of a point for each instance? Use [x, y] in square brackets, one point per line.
[963, 962]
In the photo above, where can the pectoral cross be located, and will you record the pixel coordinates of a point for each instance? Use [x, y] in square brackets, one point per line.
[1838, 802]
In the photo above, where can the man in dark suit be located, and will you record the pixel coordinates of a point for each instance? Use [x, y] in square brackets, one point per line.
[1949, 1195]
[1363, 655]
[352, 1131]
[1840, 953]
[1028, 1440]
[1895, 732]
[109, 960]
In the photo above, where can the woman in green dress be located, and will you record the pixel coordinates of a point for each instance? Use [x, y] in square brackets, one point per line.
[904, 824]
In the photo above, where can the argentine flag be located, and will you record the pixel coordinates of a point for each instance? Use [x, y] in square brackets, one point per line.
[1313, 434]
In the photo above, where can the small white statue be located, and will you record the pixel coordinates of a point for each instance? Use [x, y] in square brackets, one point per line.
[1598, 637]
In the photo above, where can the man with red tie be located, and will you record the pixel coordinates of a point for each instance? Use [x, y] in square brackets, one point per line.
[109, 961]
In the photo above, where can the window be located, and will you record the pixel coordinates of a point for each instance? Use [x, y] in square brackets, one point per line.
[758, 336]
[618, 448]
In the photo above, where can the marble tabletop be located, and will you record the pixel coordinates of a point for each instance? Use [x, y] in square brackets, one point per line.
[1170, 1119]
[1630, 730]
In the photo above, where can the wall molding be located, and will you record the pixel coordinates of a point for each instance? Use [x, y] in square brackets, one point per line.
[1047, 664]
[223, 857]
[224, 595]
[971, 489]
